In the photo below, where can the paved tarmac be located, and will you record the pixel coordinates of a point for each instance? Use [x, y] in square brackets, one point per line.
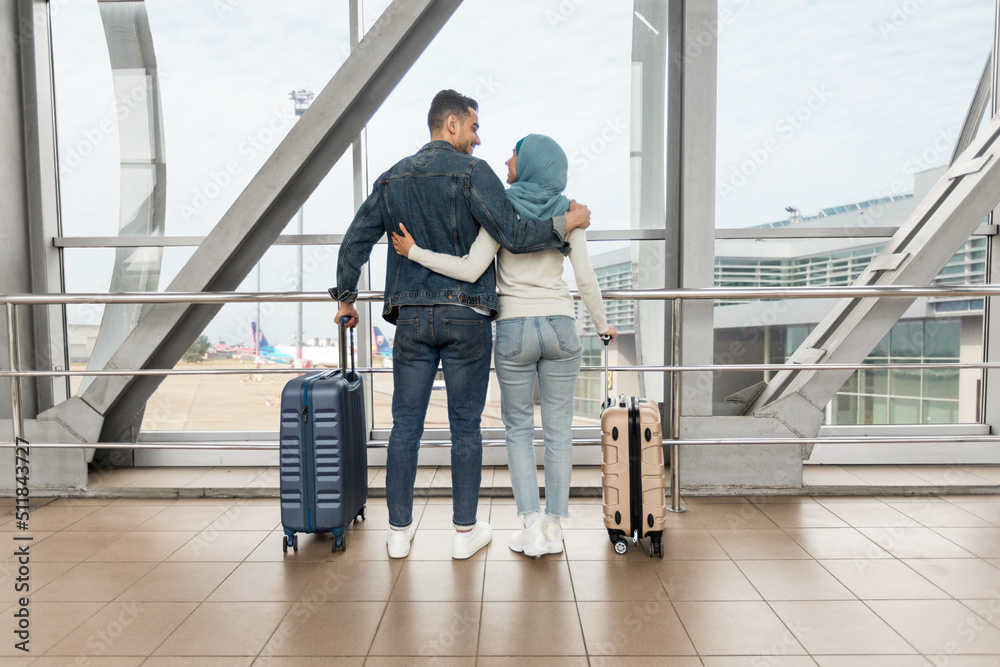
[250, 401]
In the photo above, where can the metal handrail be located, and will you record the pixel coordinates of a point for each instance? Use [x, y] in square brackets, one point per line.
[497, 442]
[696, 293]
[721, 234]
[721, 368]
[675, 296]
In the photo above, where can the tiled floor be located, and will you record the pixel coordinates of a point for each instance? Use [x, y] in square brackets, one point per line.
[833, 581]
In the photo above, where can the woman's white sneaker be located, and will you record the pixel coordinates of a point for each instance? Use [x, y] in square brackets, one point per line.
[516, 543]
[552, 535]
[534, 541]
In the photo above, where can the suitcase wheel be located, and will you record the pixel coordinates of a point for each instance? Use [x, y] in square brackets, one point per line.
[338, 543]
[621, 546]
[655, 547]
[293, 541]
[284, 543]
[363, 514]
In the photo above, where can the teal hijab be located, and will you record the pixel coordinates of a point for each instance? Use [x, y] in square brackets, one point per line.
[541, 178]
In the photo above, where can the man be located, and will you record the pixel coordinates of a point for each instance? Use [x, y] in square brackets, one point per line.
[443, 195]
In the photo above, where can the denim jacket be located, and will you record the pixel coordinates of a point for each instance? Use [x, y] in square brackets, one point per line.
[443, 197]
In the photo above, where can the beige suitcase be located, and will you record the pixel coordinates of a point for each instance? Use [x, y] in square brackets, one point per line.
[633, 474]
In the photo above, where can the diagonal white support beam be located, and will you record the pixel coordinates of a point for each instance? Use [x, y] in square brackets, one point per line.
[944, 220]
[262, 210]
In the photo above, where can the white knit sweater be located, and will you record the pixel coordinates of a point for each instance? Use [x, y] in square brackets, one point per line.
[530, 284]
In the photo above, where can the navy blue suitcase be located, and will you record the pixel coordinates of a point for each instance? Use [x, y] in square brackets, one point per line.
[322, 455]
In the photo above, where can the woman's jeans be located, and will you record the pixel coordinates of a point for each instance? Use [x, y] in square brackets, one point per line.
[549, 348]
[461, 339]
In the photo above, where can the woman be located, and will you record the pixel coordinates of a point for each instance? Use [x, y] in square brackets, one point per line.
[536, 335]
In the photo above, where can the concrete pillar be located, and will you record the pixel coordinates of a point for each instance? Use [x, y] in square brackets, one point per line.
[31, 265]
[15, 249]
[690, 214]
[692, 99]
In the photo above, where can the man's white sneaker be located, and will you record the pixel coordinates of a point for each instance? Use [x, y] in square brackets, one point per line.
[465, 545]
[398, 541]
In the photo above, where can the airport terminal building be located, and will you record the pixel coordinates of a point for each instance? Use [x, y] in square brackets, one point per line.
[179, 176]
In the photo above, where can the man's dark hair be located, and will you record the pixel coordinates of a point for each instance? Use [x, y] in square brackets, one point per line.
[449, 103]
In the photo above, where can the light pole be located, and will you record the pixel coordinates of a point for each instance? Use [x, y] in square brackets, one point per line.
[302, 99]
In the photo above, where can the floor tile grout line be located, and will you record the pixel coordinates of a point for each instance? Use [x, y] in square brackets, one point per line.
[971, 553]
[576, 604]
[754, 586]
[966, 468]
[482, 592]
[961, 509]
[789, 630]
[72, 630]
[994, 621]
[385, 609]
[171, 633]
[673, 607]
[889, 625]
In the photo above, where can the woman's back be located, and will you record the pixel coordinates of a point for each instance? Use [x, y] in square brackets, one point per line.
[532, 284]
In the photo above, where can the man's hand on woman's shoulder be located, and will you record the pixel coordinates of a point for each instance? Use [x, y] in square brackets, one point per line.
[577, 217]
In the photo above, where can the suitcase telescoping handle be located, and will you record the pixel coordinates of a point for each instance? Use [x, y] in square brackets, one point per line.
[344, 348]
[607, 373]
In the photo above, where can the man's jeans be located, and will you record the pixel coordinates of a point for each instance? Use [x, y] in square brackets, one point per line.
[549, 348]
[461, 339]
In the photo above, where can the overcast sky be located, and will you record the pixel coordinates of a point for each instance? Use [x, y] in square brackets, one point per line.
[846, 99]
[819, 104]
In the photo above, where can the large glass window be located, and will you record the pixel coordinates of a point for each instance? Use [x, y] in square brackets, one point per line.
[225, 72]
[855, 121]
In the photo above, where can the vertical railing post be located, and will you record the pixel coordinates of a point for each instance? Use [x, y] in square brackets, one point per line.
[675, 408]
[15, 401]
[15, 395]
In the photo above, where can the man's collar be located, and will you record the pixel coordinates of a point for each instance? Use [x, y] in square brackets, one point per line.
[439, 143]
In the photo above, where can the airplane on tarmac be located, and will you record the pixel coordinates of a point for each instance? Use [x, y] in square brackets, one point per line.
[315, 356]
[267, 351]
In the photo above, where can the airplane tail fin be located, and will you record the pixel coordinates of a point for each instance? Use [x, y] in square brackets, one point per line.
[383, 348]
[259, 336]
